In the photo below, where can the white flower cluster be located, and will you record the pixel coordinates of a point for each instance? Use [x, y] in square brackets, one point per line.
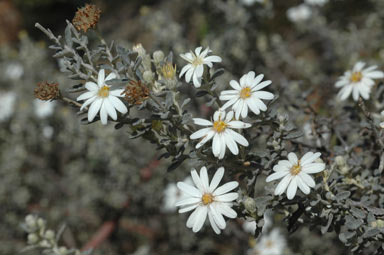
[358, 81]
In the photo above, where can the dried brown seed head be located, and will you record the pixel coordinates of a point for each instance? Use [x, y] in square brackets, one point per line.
[47, 91]
[136, 93]
[86, 17]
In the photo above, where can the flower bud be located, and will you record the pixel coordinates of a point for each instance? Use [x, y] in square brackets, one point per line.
[139, 49]
[249, 204]
[148, 76]
[30, 220]
[158, 56]
[340, 160]
[33, 238]
[49, 234]
[44, 243]
[63, 250]
[41, 223]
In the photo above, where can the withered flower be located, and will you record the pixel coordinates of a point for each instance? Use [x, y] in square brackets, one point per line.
[136, 92]
[168, 71]
[47, 91]
[86, 17]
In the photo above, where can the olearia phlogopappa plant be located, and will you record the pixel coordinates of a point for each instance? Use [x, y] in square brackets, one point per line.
[247, 141]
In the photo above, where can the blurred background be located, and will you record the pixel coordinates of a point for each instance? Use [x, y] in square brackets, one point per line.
[95, 181]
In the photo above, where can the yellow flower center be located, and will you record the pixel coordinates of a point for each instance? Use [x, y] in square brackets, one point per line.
[219, 126]
[296, 169]
[356, 77]
[168, 71]
[104, 91]
[207, 198]
[245, 92]
[197, 61]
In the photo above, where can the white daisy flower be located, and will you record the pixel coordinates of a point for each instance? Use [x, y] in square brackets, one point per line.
[246, 95]
[295, 173]
[273, 243]
[382, 123]
[299, 13]
[359, 81]
[172, 194]
[208, 200]
[195, 69]
[316, 2]
[102, 99]
[43, 109]
[221, 132]
[7, 104]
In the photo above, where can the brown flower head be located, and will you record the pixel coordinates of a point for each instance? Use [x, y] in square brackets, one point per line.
[136, 92]
[86, 17]
[47, 91]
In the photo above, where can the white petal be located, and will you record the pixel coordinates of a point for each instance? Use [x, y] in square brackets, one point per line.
[216, 179]
[244, 111]
[355, 93]
[263, 95]
[88, 102]
[250, 77]
[196, 80]
[202, 122]
[228, 197]
[219, 219]
[201, 216]
[238, 124]
[103, 113]
[261, 85]
[225, 188]
[188, 201]
[253, 106]
[257, 80]
[188, 189]
[111, 76]
[283, 184]
[307, 179]
[226, 210]
[200, 133]
[198, 50]
[223, 144]
[188, 208]
[117, 93]
[292, 188]
[235, 85]
[238, 138]
[199, 70]
[100, 78]
[94, 109]
[189, 74]
[86, 95]
[313, 168]
[204, 178]
[302, 186]
[229, 116]
[110, 109]
[284, 163]
[306, 159]
[208, 137]
[229, 103]
[345, 92]
[185, 69]
[91, 86]
[213, 223]
[197, 181]
[192, 219]
[375, 74]
[358, 66]
[116, 102]
[292, 158]
[231, 144]
[276, 175]
[212, 59]
[216, 145]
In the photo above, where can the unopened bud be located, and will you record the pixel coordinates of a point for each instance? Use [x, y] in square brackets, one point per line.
[30, 220]
[63, 250]
[148, 76]
[250, 204]
[41, 222]
[340, 160]
[49, 234]
[33, 238]
[158, 56]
